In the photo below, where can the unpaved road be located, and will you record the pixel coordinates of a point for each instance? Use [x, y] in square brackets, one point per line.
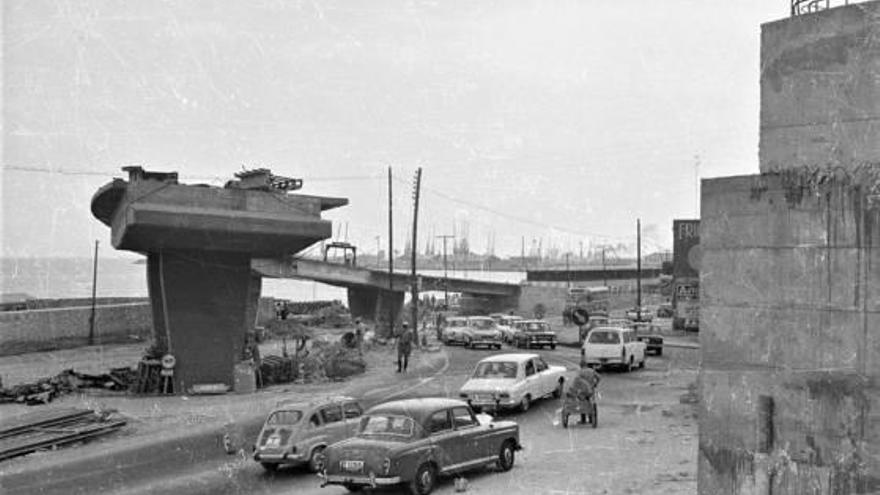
[646, 442]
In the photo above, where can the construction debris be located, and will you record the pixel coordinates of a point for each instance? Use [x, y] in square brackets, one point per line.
[45, 390]
[50, 429]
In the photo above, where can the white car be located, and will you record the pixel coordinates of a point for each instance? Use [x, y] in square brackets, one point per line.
[455, 330]
[505, 325]
[605, 346]
[512, 381]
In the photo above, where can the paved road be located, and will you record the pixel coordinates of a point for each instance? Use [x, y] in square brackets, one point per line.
[646, 441]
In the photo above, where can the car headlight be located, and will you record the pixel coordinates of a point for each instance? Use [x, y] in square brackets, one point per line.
[386, 466]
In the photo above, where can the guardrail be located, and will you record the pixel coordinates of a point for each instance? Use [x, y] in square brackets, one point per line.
[801, 7]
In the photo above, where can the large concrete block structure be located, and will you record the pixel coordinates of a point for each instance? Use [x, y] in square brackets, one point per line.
[200, 242]
[790, 274]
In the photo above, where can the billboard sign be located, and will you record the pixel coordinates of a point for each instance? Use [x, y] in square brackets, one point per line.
[685, 249]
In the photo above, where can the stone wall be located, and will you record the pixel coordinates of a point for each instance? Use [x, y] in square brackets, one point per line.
[790, 336]
[66, 327]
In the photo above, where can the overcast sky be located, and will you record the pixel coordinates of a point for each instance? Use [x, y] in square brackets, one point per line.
[560, 120]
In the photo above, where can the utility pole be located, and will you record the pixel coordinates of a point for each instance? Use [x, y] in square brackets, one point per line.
[638, 269]
[414, 282]
[523, 252]
[94, 288]
[390, 260]
[445, 272]
[604, 273]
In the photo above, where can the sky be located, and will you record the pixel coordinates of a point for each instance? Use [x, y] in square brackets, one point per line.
[560, 121]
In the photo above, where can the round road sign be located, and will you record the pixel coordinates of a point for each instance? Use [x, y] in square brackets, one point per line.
[168, 361]
[580, 316]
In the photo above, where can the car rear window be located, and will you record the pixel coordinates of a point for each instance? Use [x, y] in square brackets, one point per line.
[536, 327]
[496, 369]
[457, 323]
[284, 418]
[604, 337]
[399, 426]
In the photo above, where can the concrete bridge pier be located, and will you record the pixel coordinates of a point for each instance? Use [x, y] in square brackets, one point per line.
[203, 303]
[375, 304]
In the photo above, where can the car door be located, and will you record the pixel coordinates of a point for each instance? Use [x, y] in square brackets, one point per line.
[443, 438]
[531, 382]
[334, 427]
[473, 441]
[544, 381]
[351, 412]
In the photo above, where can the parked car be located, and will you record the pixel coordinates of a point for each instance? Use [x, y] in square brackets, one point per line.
[665, 310]
[511, 381]
[455, 330]
[606, 346]
[296, 433]
[649, 333]
[482, 331]
[645, 314]
[505, 326]
[414, 441]
[535, 333]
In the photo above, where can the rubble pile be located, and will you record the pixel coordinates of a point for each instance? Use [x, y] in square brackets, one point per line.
[45, 390]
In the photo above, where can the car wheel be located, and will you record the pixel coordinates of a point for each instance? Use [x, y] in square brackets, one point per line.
[506, 456]
[270, 467]
[354, 488]
[659, 352]
[498, 347]
[631, 365]
[564, 419]
[594, 418]
[316, 460]
[525, 403]
[423, 483]
[642, 363]
[552, 347]
[467, 344]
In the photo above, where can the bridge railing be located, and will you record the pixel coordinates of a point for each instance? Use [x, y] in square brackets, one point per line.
[801, 7]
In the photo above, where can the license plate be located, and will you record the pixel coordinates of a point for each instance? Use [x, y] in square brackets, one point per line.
[351, 466]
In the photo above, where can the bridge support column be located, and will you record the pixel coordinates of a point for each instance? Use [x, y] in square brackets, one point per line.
[203, 302]
[374, 305]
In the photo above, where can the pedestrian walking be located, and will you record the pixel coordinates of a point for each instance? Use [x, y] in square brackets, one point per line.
[359, 330]
[404, 348]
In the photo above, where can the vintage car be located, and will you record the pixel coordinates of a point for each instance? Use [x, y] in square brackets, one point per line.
[645, 314]
[650, 334]
[296, 433]
[455, 330]
[413, 441]
[482, 331]
[606, 346]
[512, 381]
[535, 333]
[505, 326]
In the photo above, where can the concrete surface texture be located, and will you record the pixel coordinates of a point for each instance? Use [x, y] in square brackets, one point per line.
[820, 97]
[791, 352]
[199, 242]
[69, 326]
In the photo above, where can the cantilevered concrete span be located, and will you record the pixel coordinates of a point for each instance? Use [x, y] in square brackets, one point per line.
[199, 241]
[370, 292]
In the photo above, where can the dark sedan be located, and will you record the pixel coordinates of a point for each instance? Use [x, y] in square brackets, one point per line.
[414, 441]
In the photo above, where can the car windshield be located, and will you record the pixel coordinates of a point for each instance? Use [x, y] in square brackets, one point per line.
[482, 323]
[604, 337]
[284, 418]
[536, 327]
[384, 424]
[496, 369]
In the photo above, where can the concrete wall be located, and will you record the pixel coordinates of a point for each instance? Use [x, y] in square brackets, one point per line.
[790, 337]
[820, 97]
[69, 326]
